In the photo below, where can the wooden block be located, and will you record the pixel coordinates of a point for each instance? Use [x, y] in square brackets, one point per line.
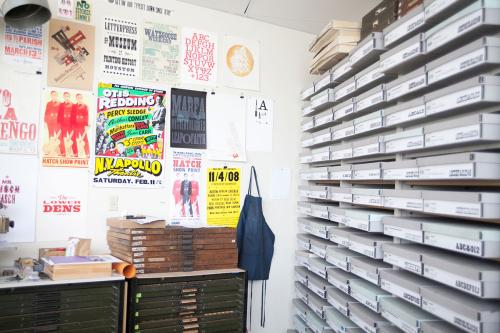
[118, 222]
[77, 271]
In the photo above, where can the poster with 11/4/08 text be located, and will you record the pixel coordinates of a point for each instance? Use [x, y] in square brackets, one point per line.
[223, 196]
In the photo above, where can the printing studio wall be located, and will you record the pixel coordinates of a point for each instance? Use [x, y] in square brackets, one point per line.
[282, 58]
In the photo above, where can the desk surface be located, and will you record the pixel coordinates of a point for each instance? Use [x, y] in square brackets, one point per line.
[193, 273]
[49, 282]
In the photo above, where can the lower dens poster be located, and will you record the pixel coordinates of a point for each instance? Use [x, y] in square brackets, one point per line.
[130, 134]
[223, 196]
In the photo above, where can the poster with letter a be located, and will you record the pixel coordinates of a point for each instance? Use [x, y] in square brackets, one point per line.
[187, 193]
[120, 48]
[18, 183]
[18, 114]
[130, 136]
[241, 63]
[66, 128]
[188, 119]
[199, 57]
[160, 53]
[70, 55]
[223, 196]
[259, 124]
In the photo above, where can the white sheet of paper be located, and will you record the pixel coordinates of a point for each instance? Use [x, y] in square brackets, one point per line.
[259, 124]
[226, 127]
[280, 183]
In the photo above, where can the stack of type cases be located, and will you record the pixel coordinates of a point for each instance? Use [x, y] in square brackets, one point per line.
[89, 307]
[173, 249]
[189, 303]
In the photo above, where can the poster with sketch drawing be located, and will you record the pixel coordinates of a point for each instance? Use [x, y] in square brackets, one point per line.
[226, 127]
[199, 57]
[241, 63]
[259, 124]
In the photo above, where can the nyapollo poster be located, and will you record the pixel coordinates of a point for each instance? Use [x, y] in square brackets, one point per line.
[130, 136]
[120, 48]
[70, 55]
[241, 66]
[186, 196]
[199, 57]
[18, 114]
[188, 119]
[66, 127]
[160, 53]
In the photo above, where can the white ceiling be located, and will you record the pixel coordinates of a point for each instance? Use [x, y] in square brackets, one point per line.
[303, 15]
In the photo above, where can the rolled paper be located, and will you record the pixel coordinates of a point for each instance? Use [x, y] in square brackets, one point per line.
[124, 268]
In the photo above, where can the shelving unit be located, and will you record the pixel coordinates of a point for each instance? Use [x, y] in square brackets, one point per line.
[400, 208]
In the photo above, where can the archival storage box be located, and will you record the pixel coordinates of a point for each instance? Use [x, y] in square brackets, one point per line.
[340, 300]
[389, 329]
[404, 285]
[478, 278]
[307, 93]
[314, 174]
[343, 130]
[300, 308]
[322, 136]
[479, 17]
[320, 154]
[341, 172]
[324, 118]
[369, 77]
[341, 236]
[364, 219]
[340, 279]
[306, 140]
[340, 257]
[468, 238]
[300, 325]
[365, 318]
[367, 196]
[343, 109]
[319, 266]
[303, 224]
[439, 327]
[409, 228]
[407, 85]
[340, 194]
[305, 157]
[318, 246]
[319, 210]
[312, 191]
[302, 258]
[368, 294]
[400, 170]
[366, 171]
[407, 140]
[404, 57]
[407, 256]
[324, 82]
[301, 276]
[321, 228]
[341, 70]
[469, 313]
[473, 165]
[475, 205]
[368, 269]
[307, 124]
[340, 323]
[371, 146]
[403, 199]
[436, 10]
[404, 27]
[336, 214]
[344, 90]
[481, 55]
[318, 305]
[369, 244]
[304, 207]
[367, 51]
[307, 110]
[301, 291]
[474, 93]
[303, 241]
[369, 122]
[404, 112]
[342, 151]
[323, 100]
[370, 99]
[406, 316]
[316, 324]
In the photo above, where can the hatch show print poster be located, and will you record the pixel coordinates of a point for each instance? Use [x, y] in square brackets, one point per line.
[130, 136]
[70, 55]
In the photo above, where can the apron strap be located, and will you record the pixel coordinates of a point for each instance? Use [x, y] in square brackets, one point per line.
[251, 300]
[263, 304]
[252, 173]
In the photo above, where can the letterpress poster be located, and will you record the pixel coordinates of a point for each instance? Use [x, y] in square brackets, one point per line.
[130, 136]
[70, 55]
[199, 57]
[186, 190]
[66, 128]
[188, 119]
[23, 46]
[18, 114]
[223, 196]
[160, 53]
[18, 183]
[120, 48]
[259, 118]
[241, 63]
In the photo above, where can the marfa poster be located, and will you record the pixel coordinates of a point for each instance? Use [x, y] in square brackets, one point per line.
[66, 128]
[120, 48]
[61, 207]
[70, 55]
[18, 184]
[18, 114]
[259, 132]
[241, 63]
[23, 46]
[199, 57]
[130, 136]
[188, 119]
[186, 200]
[160, 53]
[223, 196]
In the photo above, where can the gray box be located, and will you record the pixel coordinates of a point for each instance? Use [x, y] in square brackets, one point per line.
[305, 158]
[369, 244]
[324, 118]
[367, 50]
[367, 171]
[439, 327]
[323, 100]
[301, 274]
[324, 82]
[302, 258]
[341, 236]
[318, 246]
[319, 266]
[339, 194]
[401, 170]
[407, 140]
[336, 214]
[307, 93]
[370, 99]
[369, 122]
[303, 241]
[404, 285]
[318, 305]
[307, 124]
[371, 146]
[343, 109]
[343, 130]
[317, 324]
[341, 172]
[300, 308]
[307, 110]
[368, 294]
[389, 329]
[319, 210]
[320, 154]
[407, 85]
[340, 257]
[403, 199]
[405, 26]
[409, 228]
[368, 269]
[314, 174]
[367, 196]
[304, 207]
[370, 76]
[339, 323]
[404, 315]
[313, 191]
[436, 10]
[364, 219]
[368, 320]
[341, 70]
[339, 300]
[340, 279]
[300, 325]
[344, 90]
[406, 56]
[323, 136]
[306, 140]
[317, 285]
[405, 112]
[408, 256]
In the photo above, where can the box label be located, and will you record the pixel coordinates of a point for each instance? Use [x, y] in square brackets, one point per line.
[408, 295]
[341, 154]
[404, 173]
[451, 171]
[404, 144]
[366, 174]
[370, 200]
[453, 208]
[402, 56]
[457, 65]
[370, 101]
[467, 246]
[369, 251]
[369, 77]
[322, 138]
[344, 111]
[324, 119]
[318, 251]
[320, 291]
[406, 87]
[345, 90]
[369, 125]
[409, 265]
[404, 203]
[409, 234]
[340, 175]
[404, 29]
[373, 278]
[470, 286]
[342, 133]
[453, 135]
[456, 319]
[342, 264]
[405, 115]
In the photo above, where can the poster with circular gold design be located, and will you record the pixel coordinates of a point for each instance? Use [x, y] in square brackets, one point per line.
[241, 63]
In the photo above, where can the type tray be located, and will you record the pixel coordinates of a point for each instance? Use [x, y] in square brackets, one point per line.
[365, 318]
[369, 245]
[340, 323]
[369, 122]
[340, 194]
[341, 257]
[473, 165]
[340, 279]
[478, 278]
[408, 228]
[371, 76]
[367, 51]
[344, 90]
[368, 294]
[403, 199]
[469, 313]
[408, 256]
[340, 300]
[368, 269]
[407, 85]
[323, 119]
[404, 285]
[407, 317]
[367, 171]
[342, 172]
[314, 174]
[302, 258]
[364, 219]
[319, 266]
[405, 27]
[407, 140]
[373, 98]
[323, 100]
[343, 110]
[368, 147]
[400, 170]
[404, 57]
[405, 112]
[367, 196]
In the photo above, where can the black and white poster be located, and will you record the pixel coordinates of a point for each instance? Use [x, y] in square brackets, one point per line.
[188, 119]
[120, 48]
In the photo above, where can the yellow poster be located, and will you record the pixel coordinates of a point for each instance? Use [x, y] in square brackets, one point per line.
[223, 196]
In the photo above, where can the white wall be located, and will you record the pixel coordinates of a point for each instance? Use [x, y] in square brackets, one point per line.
[284, 63]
